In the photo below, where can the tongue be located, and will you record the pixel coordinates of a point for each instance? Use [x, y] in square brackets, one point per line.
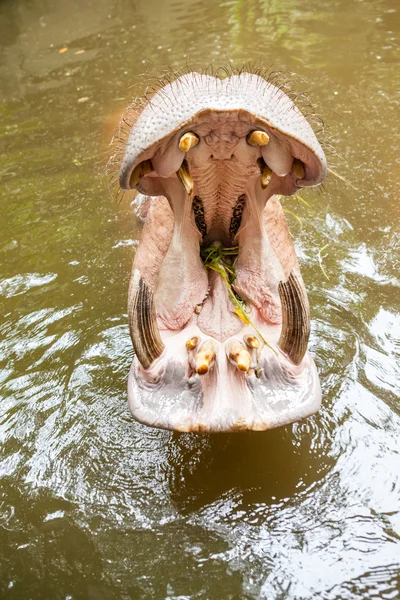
[217, 318]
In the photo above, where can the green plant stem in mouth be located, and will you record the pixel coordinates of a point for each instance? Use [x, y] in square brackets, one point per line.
[214, 258]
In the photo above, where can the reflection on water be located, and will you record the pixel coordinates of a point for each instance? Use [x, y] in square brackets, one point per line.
[96, 506]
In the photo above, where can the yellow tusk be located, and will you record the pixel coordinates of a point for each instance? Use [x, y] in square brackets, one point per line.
[186, 178]
[204, 358]
[266, 175]
[298, 168]
[252, 341]
[192, 343]
[258, 138]
[238, 354]
[188, 140]
[142, 169]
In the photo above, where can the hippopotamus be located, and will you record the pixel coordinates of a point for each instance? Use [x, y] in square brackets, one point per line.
[218, 312]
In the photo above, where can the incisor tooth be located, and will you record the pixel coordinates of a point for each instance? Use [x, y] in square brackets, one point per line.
[188, 140]
[238, 354]
[205, 357]
[192, 343]
[298, 168]
[142, 169]
[258, 138]
[252, 341]
[186, 178]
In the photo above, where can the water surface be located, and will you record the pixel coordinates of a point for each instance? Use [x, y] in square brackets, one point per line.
[94, 505]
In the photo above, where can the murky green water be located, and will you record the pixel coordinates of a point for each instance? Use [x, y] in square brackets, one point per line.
[94, 505]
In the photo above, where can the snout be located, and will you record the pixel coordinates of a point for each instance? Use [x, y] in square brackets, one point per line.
[218, 311]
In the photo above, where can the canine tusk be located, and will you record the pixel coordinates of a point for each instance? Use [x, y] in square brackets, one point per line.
[238, 355]
[258, 138]
[266, 173]
[298, 168]
[186, 178]
[205, 357]
[188, 140]
[142, 169]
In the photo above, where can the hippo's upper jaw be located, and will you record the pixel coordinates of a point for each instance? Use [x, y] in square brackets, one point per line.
[218, 312]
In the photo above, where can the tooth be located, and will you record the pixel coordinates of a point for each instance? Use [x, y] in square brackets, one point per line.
[238, 355]
[198, 212]
[188, 140]
[295, 317]
[298, 169]
[266, 173]
[192, 343]
[143, 327]
[142, 169]
[258, 138]
[204, 358]
[186, 178]
[266, 177]
[251, 341]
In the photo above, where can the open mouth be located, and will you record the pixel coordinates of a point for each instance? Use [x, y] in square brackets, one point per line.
[218, 311]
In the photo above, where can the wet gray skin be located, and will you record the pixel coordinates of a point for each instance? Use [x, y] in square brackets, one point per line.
[94, 504]
[211, 158]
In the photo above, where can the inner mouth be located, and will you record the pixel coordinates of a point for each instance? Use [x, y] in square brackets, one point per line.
[218, 312]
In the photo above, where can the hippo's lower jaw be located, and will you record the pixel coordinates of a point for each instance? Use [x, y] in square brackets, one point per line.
[218, 312]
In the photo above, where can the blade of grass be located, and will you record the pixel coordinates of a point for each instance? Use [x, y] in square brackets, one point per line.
[302, 200]
[332, 172]
[320, 261]
[290, 212]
